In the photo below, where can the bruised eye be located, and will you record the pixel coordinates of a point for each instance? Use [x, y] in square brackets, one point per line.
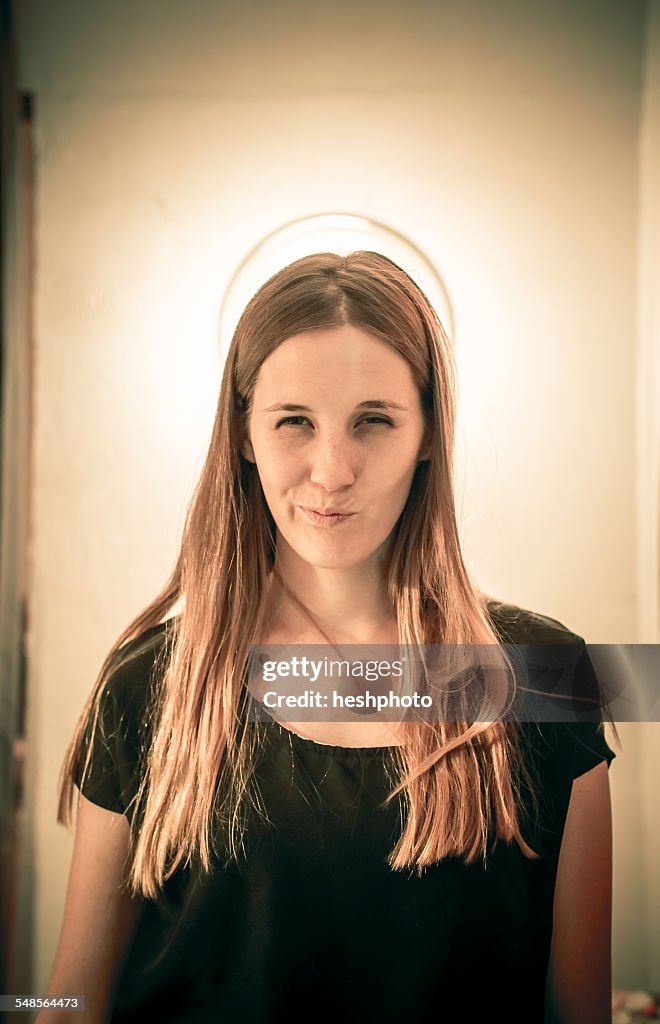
[293, 421]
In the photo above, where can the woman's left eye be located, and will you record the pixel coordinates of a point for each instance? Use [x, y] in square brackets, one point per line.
[289, 421]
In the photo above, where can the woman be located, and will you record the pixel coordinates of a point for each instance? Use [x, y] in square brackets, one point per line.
[232, 869]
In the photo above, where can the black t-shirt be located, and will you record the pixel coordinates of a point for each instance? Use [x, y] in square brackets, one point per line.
[313, 920]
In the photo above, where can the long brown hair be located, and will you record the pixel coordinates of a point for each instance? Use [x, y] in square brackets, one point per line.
[458, 779]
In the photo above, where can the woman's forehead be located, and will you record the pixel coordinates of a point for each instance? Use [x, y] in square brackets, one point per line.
[347, 353]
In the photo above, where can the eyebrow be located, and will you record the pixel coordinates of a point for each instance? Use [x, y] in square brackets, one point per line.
[372, 403]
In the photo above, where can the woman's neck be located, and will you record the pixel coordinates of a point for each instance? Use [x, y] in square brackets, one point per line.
[322, 604]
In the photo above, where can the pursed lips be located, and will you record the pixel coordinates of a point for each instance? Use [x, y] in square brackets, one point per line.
[327, 511]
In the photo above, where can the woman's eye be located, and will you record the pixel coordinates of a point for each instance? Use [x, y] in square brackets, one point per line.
[293, 421]
[289, 421]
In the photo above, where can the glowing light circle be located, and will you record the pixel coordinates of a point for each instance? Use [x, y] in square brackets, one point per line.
[340, 233]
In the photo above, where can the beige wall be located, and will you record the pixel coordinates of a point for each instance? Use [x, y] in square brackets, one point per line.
[648, 454]
[503, 139]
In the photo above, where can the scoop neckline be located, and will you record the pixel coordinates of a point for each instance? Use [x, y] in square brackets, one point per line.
[331, 748]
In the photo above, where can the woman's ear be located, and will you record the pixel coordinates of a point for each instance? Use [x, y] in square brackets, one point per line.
[426, 445]
[244, 443]
[246, 449]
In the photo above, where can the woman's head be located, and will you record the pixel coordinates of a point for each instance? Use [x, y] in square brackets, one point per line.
[332, 333]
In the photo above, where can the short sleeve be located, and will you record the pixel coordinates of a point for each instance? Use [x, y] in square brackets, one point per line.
[119, 739]
[100, 782]
[112, 743]
[591, 747]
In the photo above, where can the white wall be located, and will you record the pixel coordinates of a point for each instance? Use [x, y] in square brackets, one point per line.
[501, 138]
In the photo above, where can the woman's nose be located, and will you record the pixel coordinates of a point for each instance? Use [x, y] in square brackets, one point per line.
[332, 463]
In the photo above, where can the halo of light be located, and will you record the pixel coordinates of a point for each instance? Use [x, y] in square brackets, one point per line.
[341, 233]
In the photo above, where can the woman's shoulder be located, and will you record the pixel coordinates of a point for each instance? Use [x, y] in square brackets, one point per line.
[116, 732]
[571, 746]
[515, 624]
[134, 668]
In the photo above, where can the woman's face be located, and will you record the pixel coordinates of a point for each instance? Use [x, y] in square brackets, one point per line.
[353, 448]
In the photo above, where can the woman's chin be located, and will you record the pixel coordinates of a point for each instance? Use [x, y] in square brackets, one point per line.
[322, 558]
